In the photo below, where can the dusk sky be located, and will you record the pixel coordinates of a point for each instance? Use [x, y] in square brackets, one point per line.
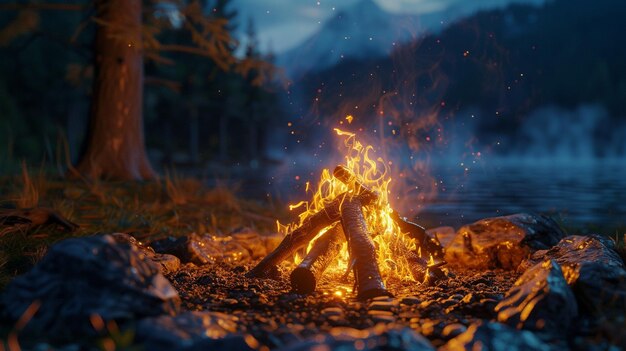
[282, 24]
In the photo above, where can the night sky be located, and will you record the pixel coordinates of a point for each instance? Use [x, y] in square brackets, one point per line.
[282, 24]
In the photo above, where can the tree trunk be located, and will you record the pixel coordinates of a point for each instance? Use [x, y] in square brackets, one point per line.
[115, 146]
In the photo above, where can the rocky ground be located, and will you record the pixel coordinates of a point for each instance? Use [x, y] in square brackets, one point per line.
[513, 283]
[277, 317]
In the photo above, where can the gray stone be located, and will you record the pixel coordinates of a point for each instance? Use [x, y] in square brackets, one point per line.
[502, 241]
[202, 250]
[193, 331]
[167, 263]
[377, 338]
[84, 277]
[193, 248]
[539, 300]
[594, 271]
[494, 337]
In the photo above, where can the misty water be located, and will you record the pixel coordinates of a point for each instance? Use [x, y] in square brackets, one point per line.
[588, 196]
[565, 163]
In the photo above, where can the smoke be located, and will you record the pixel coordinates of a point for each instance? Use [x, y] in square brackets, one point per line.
[583, 134]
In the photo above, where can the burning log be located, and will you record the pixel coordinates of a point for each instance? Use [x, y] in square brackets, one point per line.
[420, 270]
[428, 244]
[369, 283]
[326, 248]
[303, 234]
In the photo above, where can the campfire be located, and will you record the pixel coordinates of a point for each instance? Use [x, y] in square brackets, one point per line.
[349, 226]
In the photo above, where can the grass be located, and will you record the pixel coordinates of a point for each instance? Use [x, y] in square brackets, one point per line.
[174, 206]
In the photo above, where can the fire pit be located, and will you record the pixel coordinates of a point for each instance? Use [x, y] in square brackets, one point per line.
[351, 205]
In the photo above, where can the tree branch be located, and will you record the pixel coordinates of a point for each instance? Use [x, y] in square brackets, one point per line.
[185, 49]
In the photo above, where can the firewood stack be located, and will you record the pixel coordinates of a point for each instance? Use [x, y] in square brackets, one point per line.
[345, 221]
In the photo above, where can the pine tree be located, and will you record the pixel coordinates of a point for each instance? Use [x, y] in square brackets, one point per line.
[124, 38]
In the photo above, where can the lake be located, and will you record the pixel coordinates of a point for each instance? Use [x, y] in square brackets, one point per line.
[589, 196]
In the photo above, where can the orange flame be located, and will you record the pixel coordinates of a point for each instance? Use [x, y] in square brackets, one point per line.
[373, 172]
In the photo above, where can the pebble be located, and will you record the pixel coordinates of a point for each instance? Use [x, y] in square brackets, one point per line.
[468, 298]
[382, 305]
[410, 300]
[428, 327]
[383, 319]
[379, 313]
[332, 311]
[452, 330]
[382, 298]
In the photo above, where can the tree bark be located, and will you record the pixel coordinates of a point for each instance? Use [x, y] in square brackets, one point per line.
[115, 146]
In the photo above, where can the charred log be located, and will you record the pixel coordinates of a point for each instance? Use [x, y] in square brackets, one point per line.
[325, 249]
[418, 266]
[303, 234]
[429, 245]
[368, 280]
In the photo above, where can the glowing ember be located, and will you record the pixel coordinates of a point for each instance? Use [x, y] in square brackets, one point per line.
[372, 172]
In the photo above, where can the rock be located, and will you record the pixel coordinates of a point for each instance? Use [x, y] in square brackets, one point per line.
[84, 277]
[594, 271]
[332, 311]
[191, 248]
[445, 235]
[452, 330]
[383, 305]
[382, 318]
[377, 338]
[167, 263]
[502, 241]
[410, 300]
[494, 337]
[251, 241]
[202, 250]
[272, 241]
[193, 331]
[539, 300]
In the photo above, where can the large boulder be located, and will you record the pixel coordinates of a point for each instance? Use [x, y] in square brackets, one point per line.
[193, 331]
[593, 269]
[539, 300]
[488, 336]
[376, 338]
[83, 278]
[502, 241]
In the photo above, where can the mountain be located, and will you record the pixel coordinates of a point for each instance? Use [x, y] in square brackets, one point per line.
[363, 30]
[504, 65]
